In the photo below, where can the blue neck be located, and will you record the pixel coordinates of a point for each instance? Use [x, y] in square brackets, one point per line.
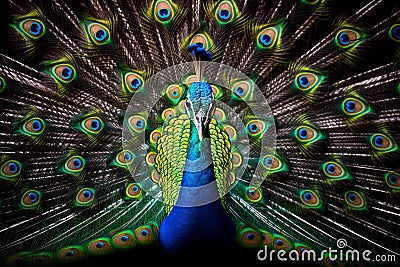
[198, 220]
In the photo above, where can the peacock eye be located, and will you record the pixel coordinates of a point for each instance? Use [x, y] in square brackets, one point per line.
[243, 89]
[392, 180]
[151, 158]
[219, 115]
[347, 38]
[394, 32]
[307, 81]
[268, 37]
[34, 126]
[63, 73]
[133, 191]
[124, 157]
[32, 28]
[174, 93]
[225, 12]
[237, 159]
[10, 169]
[92, 125]
[70, 253]
[306, 134]
[98, 33]
[354, 107]
[249, 237]
[310, 199]
[133, 81]
[99, 246]
[253, 194]
[2, 84]
[281, 243]
[30, 199]
[382, 142]
[144, 234]
[255, 127]
[137, 124]
[85, 197]
[230, 130]
[311, 2]
[168, 114]
[201, 41]
[155, 176]
[355, 200]
[332, 169]
[163, 11]
[272, 163]
[124, 239]
[74, 164]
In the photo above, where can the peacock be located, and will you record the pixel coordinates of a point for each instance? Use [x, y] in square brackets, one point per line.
[199, 131]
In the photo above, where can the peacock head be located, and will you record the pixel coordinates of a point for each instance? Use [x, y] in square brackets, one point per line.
[200, 106]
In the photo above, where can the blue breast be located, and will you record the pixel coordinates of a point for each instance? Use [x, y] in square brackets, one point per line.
[198, 221]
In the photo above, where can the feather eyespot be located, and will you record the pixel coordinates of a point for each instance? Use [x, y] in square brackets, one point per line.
[202, 41]
[335, 171]
[74, 164]
[268, 37]
[155, 177]
[34, 126]
[394, 32]
[249, 237]
[355, 200]
[124, 157]
[99, 246]
[98, 33]
[70, 253]
[163, 11]
[237, 159]
[219, 115]
[253, 194]
[243, 89]
[255, 128]
[168, 114]
[225, 12]
[2, 84]
[144, 235]
[137, 124]
[133, 81]
[85, 197]
[392, 181]
[272, 163]
[305, 134]
[307, 81]
[133, 191]
[354, 107]
[63, 73]
[123, 240]
[151, 158]
[267, 238]
[10, 169]
[347, 38]
[30, 199]
[230, 131]
[281, 243]
[382, 143]
[174, 93]
[32, 28]
[310, 198]
[92, 125]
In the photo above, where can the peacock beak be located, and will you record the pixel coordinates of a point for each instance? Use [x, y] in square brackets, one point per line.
[202, 126]
[201, 121]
